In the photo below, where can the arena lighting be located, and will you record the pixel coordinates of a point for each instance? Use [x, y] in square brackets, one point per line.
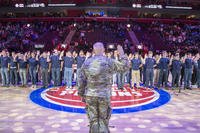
[28, 25]
[139, 46]
[128, 25]
[111, 46]
[178, 7]
[19, 5]
[153, 6]
[31, 5]
[36, 5]
[74, 24]
[137, 6]
[61, 4]
[63, 45]
[39, 46]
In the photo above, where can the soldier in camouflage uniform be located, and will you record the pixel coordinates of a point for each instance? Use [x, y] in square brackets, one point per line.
[95, 82]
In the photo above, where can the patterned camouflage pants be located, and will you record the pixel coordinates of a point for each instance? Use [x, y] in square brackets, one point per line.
[99, 112]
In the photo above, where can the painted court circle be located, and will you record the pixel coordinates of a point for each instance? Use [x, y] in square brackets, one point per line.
[122, 101]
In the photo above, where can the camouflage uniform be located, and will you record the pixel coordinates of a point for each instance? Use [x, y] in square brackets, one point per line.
[95, 82]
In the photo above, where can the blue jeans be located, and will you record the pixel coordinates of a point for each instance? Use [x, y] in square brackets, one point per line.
[175, 77]
[13, 76]
[144, 75]
[45, 76]
[187, 77]
[56, 76]
[120, 80]
[198, 78]
[68, 76]
[4, 75]
[22, 74]
[149, 77]
[163, 77]
[128, 77]
[33, 74]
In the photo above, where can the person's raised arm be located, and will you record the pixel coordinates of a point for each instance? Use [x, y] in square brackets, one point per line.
[123, 64]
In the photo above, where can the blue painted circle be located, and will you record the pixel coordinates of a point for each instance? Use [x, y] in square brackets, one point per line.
[164, 98]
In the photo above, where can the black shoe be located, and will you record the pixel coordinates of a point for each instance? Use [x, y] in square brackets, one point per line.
[44, 87]
[121, 88]
[132, 87]
[24, 86]
[166, 88]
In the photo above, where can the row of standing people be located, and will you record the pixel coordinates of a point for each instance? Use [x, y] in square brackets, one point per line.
[151, 70]
[34, 65]
[154, 71]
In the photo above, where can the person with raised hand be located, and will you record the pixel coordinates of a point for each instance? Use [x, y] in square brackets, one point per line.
[95, 83]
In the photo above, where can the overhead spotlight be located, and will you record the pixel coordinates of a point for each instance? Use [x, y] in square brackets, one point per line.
[63, 46]
[28, 25]
[128, 25]
[139, 46]
[111, 46]
[74, 24]
[61, 4]
[16, 5]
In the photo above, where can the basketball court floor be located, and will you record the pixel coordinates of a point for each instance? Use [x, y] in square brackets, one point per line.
[57, 110]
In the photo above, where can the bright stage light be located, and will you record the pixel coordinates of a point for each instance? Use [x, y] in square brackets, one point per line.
[61, 4]
[139, 46]
[137, 6]
[178, 7]
[19, 5]
[128, 25]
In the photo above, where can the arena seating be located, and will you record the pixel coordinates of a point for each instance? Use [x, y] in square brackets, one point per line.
[149, 32]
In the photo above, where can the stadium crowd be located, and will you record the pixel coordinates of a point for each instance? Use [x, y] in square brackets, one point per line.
[23, 36]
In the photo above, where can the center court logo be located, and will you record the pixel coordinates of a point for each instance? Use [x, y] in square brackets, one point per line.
[122, 101]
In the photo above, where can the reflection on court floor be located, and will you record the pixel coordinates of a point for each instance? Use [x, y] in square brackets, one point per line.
[18, 114]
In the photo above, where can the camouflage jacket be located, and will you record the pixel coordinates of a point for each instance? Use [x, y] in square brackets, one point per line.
[95, 76]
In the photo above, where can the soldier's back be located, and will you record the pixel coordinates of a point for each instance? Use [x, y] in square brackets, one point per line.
[99, 73]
